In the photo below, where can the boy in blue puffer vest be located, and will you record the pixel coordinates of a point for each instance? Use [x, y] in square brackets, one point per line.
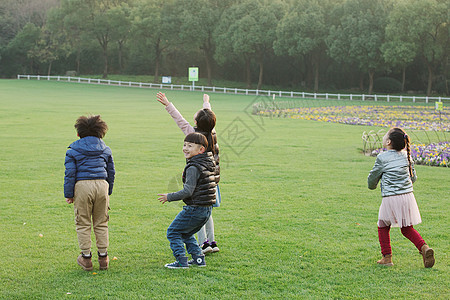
[199, 194]
[88, 182]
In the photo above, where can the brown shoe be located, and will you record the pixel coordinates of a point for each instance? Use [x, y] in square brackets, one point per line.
[386, 260]
[103, 261]
[85, 262]
[428, 256]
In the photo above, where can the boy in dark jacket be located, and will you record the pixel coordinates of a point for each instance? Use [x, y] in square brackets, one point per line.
[199, 194]
[88, 182]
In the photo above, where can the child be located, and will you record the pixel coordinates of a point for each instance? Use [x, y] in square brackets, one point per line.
[398, 207]
[88, 182]
[199, 194]
[205, 121]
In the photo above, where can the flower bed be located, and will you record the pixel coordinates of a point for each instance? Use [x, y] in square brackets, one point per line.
[435, 154]
[407, 117]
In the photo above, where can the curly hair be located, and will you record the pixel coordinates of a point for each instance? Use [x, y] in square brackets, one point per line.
[91, 126]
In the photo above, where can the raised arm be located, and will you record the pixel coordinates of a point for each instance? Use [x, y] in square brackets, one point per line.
[175, 114]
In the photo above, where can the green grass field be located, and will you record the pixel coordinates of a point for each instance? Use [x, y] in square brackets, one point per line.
[296, 220]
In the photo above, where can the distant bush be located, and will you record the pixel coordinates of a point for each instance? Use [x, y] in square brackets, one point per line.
[71, 73]
[387, 85]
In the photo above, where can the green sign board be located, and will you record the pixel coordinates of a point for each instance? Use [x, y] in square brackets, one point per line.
[193, 74]
[439, 106]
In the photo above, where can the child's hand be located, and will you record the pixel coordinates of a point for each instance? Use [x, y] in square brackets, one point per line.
[163, 198]
[161, 97]
[69, 200]
[206, 98]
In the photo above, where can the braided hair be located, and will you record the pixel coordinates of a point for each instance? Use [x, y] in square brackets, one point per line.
[400, 140]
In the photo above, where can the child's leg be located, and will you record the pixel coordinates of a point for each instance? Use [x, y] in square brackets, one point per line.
[83, 212]
[202, 235]
[209, 226]
[411, 234]
[385, 240]
[100, 215]
[183, 228]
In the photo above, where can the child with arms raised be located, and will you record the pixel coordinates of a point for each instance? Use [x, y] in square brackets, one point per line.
[205, 121]
[395, 170]
[199, 194]
[88, 182]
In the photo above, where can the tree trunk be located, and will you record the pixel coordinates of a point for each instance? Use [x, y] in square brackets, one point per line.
[371, 75]
[49, 68]
[78, 61]
[261, 72]
[430, 79]
[105, 69]
[316, 74]
[248, 76]
[403, 78]
[120, 56]
[361, 82]
[208, 66]
[158, 56]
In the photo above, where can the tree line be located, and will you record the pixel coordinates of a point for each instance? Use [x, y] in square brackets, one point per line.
[299, 44]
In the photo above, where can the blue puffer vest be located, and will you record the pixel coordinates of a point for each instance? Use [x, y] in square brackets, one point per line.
[205, 190]
[86, 159]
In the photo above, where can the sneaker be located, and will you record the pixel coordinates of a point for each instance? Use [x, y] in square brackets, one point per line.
[206, 248]
[214, 247]
[180, 263]
[103, 261]
[85, 262]
[197, 260]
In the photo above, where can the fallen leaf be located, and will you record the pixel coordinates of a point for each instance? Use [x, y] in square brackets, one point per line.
[114, 258]
[94, 273]
[41, 235]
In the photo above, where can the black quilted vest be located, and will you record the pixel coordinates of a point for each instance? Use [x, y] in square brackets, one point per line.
[205, 190]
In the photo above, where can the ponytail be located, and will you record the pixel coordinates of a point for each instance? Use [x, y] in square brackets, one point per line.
[400, 140]
[408, 151]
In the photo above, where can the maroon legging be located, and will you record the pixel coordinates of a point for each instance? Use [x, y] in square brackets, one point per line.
[409, 232]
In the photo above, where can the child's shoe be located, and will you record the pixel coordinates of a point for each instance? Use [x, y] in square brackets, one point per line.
[428, 256]
[197, 260]
[386, 260]
[214, 247]
[206, 248]
[103, 261]
[85, 262]
[180, 263]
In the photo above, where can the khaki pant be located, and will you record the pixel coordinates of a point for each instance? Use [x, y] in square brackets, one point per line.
[91, 202]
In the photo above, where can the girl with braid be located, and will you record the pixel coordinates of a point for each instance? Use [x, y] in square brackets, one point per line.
[395, 171]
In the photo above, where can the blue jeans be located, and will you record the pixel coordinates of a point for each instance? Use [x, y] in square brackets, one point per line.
[184, 226]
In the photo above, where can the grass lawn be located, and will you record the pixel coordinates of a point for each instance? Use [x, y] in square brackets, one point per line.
[296, 221]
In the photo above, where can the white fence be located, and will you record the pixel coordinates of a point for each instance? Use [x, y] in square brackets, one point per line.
[269, 93]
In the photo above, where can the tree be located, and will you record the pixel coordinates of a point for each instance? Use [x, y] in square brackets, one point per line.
[359, 36]
[18, 48]
[249, 29]
[419, 28]
[155, 29]
[45, 50]
[120, 18]
[308, 20]
[199, 21]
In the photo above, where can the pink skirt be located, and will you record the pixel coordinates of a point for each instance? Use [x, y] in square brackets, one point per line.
[399, 211]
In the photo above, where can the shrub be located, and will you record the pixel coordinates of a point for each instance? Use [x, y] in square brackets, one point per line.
[387, 85]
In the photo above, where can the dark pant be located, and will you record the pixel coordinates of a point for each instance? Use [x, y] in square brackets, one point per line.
[182, 229]
[409, 232]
